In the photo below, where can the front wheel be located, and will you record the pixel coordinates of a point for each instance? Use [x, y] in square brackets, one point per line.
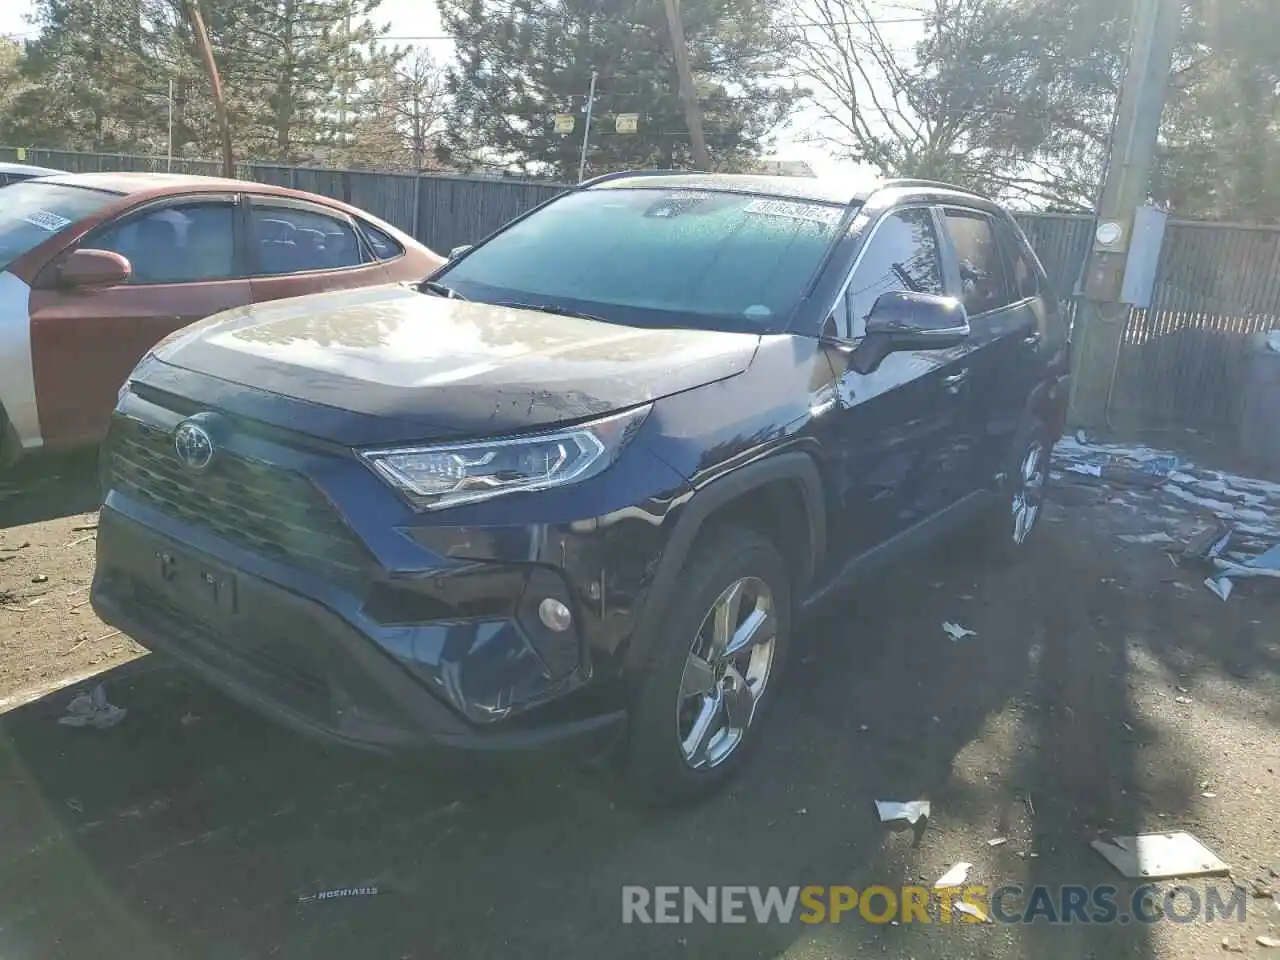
[713, 669]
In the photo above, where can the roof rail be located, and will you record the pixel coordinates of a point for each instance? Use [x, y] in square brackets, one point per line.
[914, 182]
[625, 174]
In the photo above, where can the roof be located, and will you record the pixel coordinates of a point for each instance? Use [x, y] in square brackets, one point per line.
[146, 182]
[825, 189]
[27, 170]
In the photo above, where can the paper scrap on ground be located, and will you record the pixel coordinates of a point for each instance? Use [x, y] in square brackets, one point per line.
[1147, 538]
[912, 811]
[1221, 587]
[1269, 560]
[1245, 569]
[972, 910]
[997, 841]
[957, 632]
[1161, 856]
[92, 709]
[953, 877]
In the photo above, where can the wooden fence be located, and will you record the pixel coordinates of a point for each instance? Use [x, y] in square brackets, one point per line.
[1181, 362]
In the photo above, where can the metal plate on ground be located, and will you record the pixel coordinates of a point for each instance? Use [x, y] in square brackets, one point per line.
[1161, 856]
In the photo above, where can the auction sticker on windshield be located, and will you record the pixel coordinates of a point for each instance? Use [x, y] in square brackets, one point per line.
[813, 212]
[46, 220]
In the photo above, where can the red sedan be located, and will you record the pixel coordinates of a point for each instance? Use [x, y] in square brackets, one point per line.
[95, 268]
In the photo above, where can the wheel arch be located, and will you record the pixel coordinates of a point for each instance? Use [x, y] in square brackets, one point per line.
[781, 497]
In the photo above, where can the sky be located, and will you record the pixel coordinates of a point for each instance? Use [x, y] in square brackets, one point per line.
[416, 19]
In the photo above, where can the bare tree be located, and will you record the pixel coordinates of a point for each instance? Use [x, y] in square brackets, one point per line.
[961, 103]
[419, 103]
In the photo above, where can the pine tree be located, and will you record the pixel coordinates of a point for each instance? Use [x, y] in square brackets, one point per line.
[520, 63]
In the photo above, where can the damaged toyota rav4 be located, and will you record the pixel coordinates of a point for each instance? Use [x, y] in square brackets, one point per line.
[579, 487]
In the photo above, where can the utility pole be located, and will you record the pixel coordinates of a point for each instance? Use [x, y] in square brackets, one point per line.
[215, 86]
[168, 163]
[586, 127]
[1102, 317]
[688, 96]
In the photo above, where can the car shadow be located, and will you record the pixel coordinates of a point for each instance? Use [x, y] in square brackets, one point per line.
[48, 487]
[195, 829]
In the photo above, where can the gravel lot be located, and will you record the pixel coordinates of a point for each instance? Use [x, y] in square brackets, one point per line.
[1106, 692]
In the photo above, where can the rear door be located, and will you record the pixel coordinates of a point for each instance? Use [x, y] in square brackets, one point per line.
[187, 264]
[300, 248]
[1005, 332]
[898, 435]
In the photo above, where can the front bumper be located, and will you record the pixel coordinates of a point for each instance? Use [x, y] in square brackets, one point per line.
[322, 670]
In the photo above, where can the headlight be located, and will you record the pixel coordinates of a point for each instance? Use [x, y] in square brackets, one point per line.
[435, 477]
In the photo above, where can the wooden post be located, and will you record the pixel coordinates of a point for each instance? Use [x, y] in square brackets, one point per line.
[215, 84]
[688, 96]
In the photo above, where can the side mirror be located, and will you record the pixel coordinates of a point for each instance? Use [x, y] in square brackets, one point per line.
[458, 251]
[910, 321]
[93, 269]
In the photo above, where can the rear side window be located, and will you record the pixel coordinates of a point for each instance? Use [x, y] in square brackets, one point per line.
[1024, 275]
[383, 245]
[982, 274]
[184, 243]
[903, 256]
[293, 240]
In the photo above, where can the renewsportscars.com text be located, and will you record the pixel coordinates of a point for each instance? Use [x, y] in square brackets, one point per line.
[970, 903]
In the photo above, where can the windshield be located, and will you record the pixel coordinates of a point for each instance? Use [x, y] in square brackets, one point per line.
[33, 212]
[657, 257]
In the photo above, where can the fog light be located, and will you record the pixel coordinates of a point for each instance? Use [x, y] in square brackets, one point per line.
[555, 615]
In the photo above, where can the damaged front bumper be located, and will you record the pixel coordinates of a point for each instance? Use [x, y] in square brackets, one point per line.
[392, 669]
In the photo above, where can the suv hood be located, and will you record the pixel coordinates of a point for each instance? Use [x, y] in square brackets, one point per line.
[439, 368]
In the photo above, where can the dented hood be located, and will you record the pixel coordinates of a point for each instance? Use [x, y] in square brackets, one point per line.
[440, 367]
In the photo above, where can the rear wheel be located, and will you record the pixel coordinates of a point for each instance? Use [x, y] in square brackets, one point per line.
[714, 668]
[1026, 481]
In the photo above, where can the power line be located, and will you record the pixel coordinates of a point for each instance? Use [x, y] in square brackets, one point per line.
[812, 25]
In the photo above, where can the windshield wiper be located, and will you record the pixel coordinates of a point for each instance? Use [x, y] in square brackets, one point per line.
[549, 308]
[439, 289]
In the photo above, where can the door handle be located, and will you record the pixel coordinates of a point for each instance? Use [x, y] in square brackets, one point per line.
[954, 382]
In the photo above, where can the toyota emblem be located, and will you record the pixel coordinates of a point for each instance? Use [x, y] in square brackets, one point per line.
[193, 445]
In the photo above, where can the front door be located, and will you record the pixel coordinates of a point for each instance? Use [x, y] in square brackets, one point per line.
[84, 344]
[900, 436]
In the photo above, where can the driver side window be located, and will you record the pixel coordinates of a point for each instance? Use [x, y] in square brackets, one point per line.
[902, 255]
[180, 243]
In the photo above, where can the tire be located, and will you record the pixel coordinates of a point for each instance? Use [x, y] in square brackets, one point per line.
[1011, 527]
[679, 691]
[10, 447]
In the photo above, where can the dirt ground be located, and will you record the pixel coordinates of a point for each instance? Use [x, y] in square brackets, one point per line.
[1106, 692]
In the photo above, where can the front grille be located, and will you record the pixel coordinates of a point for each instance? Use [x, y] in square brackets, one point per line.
[267, 509]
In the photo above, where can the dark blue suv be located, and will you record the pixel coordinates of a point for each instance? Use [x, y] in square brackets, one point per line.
[582, 483]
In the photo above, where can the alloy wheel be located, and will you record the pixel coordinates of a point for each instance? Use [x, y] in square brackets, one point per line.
[726, 673]
[1029, 494]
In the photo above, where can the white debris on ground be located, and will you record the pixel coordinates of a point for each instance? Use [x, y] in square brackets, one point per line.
[92, 709]
[957, 632]
[911, 812]
[1227, 523]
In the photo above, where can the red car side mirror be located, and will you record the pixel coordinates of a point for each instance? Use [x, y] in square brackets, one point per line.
[93, 269]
